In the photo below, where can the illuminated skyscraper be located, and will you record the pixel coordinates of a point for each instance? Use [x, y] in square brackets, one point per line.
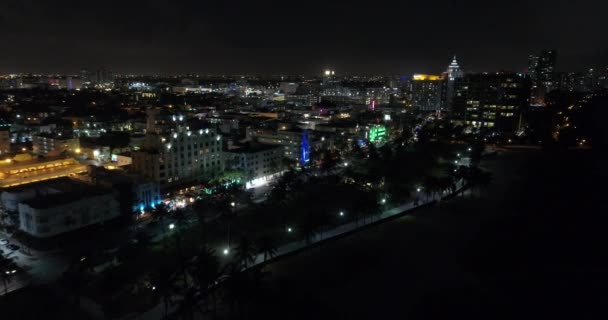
[329, 77]
[541, 69]
[426, 92]
[451, 75]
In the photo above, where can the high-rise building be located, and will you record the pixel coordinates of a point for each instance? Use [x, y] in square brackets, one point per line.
[85, 75]
[104, 75]
[492, 102]
[180, 156]
[542, 72]
[329, 77]
[452, 73]
[5, 138]
[426, 92]
[603, 80]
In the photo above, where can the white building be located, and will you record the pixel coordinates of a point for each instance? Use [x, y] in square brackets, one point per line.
[257, 161]
[54, 144]
[180, 157]
[51, 207]
[289, 140]
[58, 213]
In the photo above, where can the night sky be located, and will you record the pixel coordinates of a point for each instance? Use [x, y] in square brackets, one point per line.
[383, 37]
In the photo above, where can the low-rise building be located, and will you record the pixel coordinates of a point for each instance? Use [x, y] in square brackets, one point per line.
[48, 208]
[257, 161]
[13, 172]
[58, 213]
[54, 144]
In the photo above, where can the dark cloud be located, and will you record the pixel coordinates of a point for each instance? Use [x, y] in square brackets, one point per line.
[297, 36]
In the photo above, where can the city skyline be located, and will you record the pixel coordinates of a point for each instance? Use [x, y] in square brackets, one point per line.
[164, 37]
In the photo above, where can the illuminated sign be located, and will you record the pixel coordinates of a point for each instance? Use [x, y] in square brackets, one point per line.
[421, 77]
[377, 133]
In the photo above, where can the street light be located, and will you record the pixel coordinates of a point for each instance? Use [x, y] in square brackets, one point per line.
[289, 229]
[226, 251]
[456, 161]
[232, 204]
[346, 164]
[383, 200]
[469, 149]
[458, 155]
[341, 213]
[418, 189]
[171, 226]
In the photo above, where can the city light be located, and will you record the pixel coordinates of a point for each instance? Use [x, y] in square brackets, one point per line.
[341, 213]
[418, 189]
[232, 204]
[172, 226]
[383, 200]
[469, 149]
[289, 229]
[226, 251]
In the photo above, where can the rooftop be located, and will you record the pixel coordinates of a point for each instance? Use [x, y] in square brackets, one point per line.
[57, 199]
[59, 183]
[252, 148]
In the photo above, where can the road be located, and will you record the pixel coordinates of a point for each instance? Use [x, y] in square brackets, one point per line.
[37, 267]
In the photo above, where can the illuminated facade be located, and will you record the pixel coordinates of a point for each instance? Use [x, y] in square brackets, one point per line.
[492, 102]
[14, 173]
[181, 156]
[541, 69]
[256, 161]
[453, 72]
[45, 144]
[426, 92]
[426, 77]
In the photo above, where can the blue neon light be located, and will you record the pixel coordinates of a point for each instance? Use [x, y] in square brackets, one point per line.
[305, 148]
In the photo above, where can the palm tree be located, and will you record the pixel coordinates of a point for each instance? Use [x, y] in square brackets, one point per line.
[235, 286]
[164, 283]
[245, 252]
[188, 304]
[480, 178]
[205, 270]
[267, 247]
[308, 227]
[464, 173]
[160, 213]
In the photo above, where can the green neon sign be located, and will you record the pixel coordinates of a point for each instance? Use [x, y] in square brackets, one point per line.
[377, 133]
